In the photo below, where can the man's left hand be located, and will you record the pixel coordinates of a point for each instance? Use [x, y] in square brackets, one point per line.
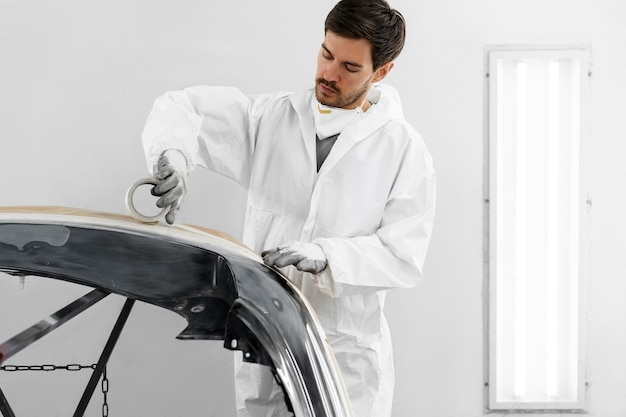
[306, 257]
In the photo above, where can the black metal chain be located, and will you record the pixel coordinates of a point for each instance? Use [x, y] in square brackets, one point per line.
[105, 390]
[71, 367]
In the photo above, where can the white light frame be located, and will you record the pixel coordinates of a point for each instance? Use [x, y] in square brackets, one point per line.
[492, 55]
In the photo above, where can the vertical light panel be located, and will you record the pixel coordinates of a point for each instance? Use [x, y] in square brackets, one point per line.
[552, 238]
[520, 237]
[537, 199]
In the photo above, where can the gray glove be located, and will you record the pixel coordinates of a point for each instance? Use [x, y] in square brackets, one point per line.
[172, 175]
[306, 257]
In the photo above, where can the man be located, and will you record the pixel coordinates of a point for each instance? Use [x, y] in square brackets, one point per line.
[341, 191]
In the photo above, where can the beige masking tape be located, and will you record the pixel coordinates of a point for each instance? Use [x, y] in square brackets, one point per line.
[130, 204]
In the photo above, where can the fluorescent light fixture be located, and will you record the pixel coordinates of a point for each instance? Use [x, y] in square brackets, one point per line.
[536, 107]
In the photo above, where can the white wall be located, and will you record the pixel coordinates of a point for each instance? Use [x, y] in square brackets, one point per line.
[77, 79]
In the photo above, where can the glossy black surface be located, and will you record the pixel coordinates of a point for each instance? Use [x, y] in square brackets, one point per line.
[222, 294]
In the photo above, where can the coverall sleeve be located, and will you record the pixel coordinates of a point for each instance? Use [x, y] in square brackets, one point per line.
[212, 126]
[394, 256]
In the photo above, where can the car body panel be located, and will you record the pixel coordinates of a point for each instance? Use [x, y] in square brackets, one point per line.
[222, 289]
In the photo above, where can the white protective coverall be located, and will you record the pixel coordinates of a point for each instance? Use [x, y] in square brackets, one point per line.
[370, 208]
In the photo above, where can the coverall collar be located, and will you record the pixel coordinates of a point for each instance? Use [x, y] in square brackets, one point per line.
[388, 107]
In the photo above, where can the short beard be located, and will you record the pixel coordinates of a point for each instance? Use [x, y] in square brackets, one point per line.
[339, 101]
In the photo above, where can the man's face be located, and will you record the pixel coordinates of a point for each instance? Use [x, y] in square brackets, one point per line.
[344, 71]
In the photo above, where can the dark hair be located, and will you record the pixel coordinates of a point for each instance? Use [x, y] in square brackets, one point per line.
[372, 20]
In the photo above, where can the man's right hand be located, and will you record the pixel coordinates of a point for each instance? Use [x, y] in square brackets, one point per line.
[172, 187]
